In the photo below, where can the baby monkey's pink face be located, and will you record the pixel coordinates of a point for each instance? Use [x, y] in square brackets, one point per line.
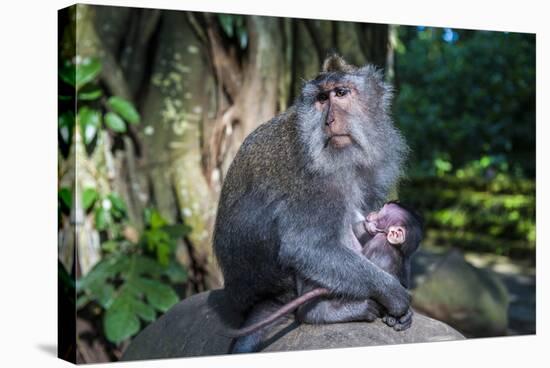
[389, 220]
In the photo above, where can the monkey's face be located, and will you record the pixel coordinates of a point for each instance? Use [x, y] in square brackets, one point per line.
[343, 120]
[334, 101]
[400, 226]
[391, 220]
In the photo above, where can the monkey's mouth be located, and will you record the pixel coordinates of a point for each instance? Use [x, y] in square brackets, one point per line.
[340, 140]
[372, 229]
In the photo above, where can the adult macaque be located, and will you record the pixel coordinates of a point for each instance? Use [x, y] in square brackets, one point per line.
[294, 190]
[392, 235]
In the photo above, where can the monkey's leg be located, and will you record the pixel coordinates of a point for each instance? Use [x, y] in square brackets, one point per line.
[252, 342]
[333, 311]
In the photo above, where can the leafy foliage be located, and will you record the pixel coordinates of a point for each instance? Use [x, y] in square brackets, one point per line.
[159, 237]
[115, 122]
[466, 97]
[129, 288]
[86, 71]
[134, 277]
[66, 122]
[89, 196]
[472, 213]
[94, 111]
[466, 103]
[124, 108]
[65, 199]
[90, 122]
[132, 281]
[234, 27]
[90, 92]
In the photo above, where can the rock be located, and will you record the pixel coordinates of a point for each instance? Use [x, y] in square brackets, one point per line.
[194, 327]
[342, 335]
[470, 299]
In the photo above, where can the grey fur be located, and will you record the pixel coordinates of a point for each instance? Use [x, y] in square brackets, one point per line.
[288, 200]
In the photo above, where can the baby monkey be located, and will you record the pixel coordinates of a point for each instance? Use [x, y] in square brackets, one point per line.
[387, 238]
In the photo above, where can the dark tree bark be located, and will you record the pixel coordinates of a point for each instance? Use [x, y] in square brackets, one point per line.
[246, 85]
[373, 39]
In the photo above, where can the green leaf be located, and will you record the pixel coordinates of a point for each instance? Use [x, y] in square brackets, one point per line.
[115, 122]
[109, 246]
[144, 311]
[118, 206]
[157, 220]
[124, 108]
[87, 71]
[64, 98]
[67, 73]
[89, 93]
[147, 213]
[159, 241]
[65, 124]
[177, 231]
[102, 218]
[107, 268]
[82, 301]
[66, 197]
[159, 295]
[120, 322]
[176, 273]
[89, 196]
[103, 294]
[148, 266]
[89, 121]
[226, 21]
[163, 253]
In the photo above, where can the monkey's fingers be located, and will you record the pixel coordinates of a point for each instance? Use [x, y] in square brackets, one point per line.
[389, 320]
[402, 327]
[399, 324]
[404, 322]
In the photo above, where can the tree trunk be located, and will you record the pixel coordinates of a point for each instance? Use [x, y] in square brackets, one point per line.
[246, 86]
[173, 111]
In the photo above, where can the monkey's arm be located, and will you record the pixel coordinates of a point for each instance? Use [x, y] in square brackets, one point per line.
[319, 253]
[361, 233]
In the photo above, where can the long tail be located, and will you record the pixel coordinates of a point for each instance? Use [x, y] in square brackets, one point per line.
[284, 310]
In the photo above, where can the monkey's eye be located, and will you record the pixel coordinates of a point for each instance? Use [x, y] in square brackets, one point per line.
[322, 97]
[341, 92]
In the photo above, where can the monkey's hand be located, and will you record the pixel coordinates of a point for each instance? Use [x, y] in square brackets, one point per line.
[395, 298]
[399, 324]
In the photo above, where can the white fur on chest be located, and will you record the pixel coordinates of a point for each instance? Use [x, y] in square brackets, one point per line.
[358, 216]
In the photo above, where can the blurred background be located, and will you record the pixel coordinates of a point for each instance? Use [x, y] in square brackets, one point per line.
[165, 98]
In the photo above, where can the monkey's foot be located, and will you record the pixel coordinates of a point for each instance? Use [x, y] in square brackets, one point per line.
[246, 344]
[399, 324]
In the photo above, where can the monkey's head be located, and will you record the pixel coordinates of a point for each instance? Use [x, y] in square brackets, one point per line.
[401, 225]
[344, 120]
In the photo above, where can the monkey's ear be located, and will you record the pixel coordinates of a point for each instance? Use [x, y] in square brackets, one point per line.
[396, 235]
[336, 63]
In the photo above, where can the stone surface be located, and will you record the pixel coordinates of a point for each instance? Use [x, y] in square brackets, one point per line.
[195, 326]
[342, 335]
[471, 299]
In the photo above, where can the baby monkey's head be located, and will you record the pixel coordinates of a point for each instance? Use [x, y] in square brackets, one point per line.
[402, 225]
